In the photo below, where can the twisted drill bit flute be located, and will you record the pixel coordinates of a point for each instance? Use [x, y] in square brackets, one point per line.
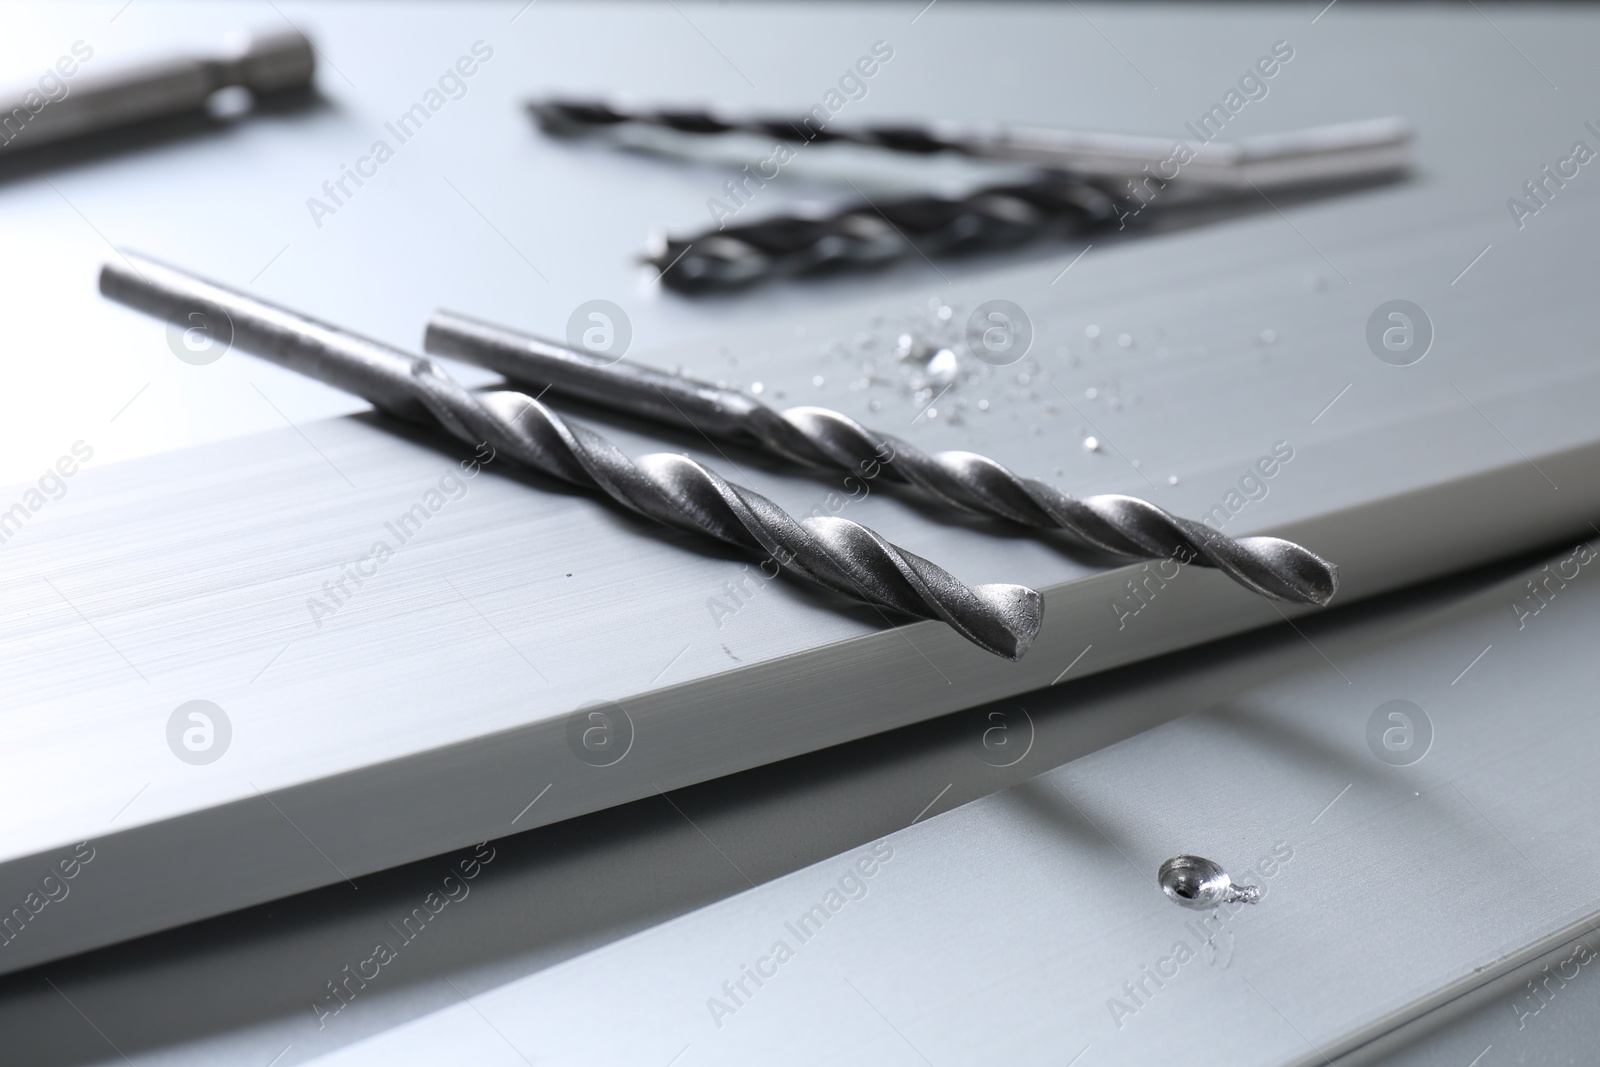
[818, 437]
[1089, 180]
[857, 235]
[673, 490]
[867, 234]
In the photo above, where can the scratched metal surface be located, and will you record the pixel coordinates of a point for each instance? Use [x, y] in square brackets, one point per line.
[1397, 875]
[431, 710]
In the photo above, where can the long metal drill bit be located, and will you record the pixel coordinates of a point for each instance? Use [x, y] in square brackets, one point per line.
[1089, 180]
[1360, 149]
[840, 555]
[867, 234]
[819, 437]
[855, 235]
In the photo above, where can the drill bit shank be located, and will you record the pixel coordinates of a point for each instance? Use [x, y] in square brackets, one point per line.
[818, 437]
[841, 555]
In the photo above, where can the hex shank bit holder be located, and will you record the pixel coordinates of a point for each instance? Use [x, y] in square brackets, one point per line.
[673, 490]
[269, 63]
[818, 437]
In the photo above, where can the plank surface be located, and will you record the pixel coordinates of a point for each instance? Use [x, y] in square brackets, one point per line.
[431, 708]
[1028, 927]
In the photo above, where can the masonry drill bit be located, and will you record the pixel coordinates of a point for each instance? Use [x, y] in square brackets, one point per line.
[676, 491]
[818, 437]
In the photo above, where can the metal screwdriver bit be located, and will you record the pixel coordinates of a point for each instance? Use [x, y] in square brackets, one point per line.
[818, 437]
[673, 490]
[268, 63]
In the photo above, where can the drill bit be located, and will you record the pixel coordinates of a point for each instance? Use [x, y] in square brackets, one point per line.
[856, 236]
[818, 437]
[1089, 180]
[1344, 150]
[867, 234]
[673, 490]
[568, 118]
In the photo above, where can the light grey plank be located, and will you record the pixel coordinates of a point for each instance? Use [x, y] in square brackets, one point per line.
[406, 725]
[1028, 927]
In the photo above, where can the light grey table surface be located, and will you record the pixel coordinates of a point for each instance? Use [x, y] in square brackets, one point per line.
[220, 203]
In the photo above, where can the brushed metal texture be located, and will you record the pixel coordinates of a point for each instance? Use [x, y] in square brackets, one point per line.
[1028, 927]
[557, 892]
[433, 705]
[437, 699]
